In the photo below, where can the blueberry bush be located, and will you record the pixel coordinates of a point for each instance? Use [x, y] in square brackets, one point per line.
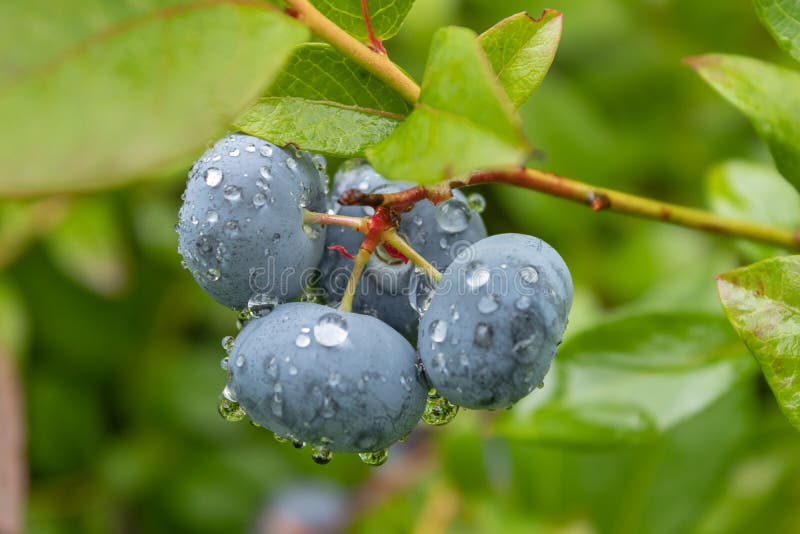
[493, 266]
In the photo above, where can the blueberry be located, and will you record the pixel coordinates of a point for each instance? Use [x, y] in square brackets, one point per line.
[337, 381]
[437, 232]
[240, 226]
[495, 320]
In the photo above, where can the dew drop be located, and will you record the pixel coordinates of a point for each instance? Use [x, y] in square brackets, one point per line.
[213, 177]
[227, 343]
[232, 193]
[375, 458]
[266, 175]
[523, 303]
[330, 330]
[230, 410]
[250, 148]
[259, 200]
[477, 274]
[261, 304]
[292, 370]
[265, 151]
[321, 455]
[476, 202]
[212, 217]
[319, 162]
[223, 363]
[483, 336]
[272, 367]
[488, 304]
[281, 439]
[443, 244]
[416, 219]
[194, 220]
[240, 361]
[310, 231]
[302, 340]
[234, 153]
[291, 164]
[420, 292]
[438, 410]
[529, 275]
[297, 444]
[277, 400]
[453, 216]
[438, 330]
[213, 274]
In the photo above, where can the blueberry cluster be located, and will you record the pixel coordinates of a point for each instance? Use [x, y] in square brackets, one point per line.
[343, 381]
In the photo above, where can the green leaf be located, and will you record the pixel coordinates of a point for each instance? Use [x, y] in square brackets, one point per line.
[521, 50]
[386, 16]
[753, 192]
[14, 322]
[323, 101]
[463, 122]
[782, 19]
[768, 95]
[762, 302]
[138, 90]
[631, 379]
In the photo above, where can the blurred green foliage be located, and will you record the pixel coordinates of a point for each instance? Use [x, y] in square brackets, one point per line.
[119, 349]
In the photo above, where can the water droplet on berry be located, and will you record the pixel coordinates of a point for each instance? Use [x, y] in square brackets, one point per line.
[277, 400]
[529, 275]
[212, 216]
[416, 219]
[265, 151]
[272, 367]
[321, 455]
[484, 335]
[231, 228]
[523, 303]
[227, 343]
[240, 361]
[421, 291]
[213, 274]
[291, 164]
[310, 231]
[259, 200]
[453, 216]
[488, 304]
[292, 370]
[374, 458]
[223, 363]
[476, 202]
[302, 340]
[261, 304]
[232, 192]
[319, 162]
[281, 439]
[234, 153]
[213, 177]
[230, 410]
[438, 410]
[438, 330]
[250, 148]
[477, 274]
[330, 330]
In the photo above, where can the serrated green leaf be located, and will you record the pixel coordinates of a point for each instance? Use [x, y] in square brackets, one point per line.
[463, 122]
[782, 19]
[89, 246]
[129, 89]
[768, 95]
[762, 302]
[386, 16]
[323, 101]
[632, 379]
[755, 192]
[521, 50]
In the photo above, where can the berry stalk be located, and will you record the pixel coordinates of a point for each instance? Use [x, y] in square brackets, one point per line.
[375, 62]
[393, 238]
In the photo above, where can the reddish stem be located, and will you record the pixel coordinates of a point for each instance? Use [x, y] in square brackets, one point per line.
[377, 44]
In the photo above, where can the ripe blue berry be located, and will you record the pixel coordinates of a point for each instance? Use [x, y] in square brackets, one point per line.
[495, 320]
[385, 287]
[240, 227]
[338, 381]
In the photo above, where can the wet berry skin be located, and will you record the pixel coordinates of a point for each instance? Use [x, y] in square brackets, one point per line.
[494, 323]
[240, 228]
[342, 381]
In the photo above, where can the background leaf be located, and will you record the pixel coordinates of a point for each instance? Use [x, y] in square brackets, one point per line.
[782, 19]
[138, 91]
[521, 50]
[763, 304]
[324, 102]
[386, 16]
[461, 105]
[768, 95]
[754, 192]
[631, 379]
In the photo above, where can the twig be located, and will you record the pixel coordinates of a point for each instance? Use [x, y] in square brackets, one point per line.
[393, 238]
